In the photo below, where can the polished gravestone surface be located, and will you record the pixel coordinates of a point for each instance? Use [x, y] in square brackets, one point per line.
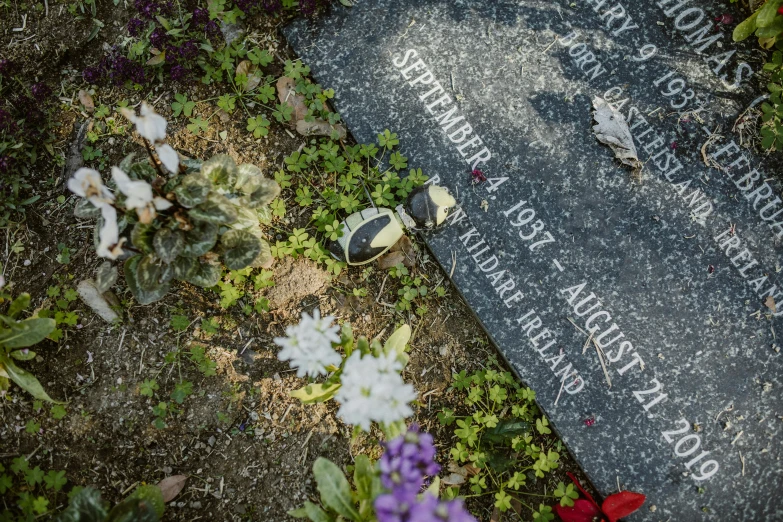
[673, 272]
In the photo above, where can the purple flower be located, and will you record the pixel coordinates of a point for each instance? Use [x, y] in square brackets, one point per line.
[394, 507]
[159, 38]
[430, 509]
[147, 8]
[200, 16]
[213, 30]
[308, 7]
[40, 91]
[408, 460]
[188, 51]
[93, 75]
[246, 6]
[180, 73]
[271, 6]
[135, 26]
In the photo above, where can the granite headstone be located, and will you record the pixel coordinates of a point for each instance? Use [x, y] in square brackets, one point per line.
[647, 299]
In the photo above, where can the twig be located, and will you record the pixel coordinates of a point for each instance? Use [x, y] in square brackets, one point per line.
[603, 365]
[742, 459]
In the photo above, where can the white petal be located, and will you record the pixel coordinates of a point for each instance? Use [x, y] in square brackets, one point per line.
[109, 234]
[169, 157]
[138, 193]
[151, 125]
[162, 203]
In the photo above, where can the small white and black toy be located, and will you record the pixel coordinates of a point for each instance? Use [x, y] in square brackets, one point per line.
[370, 233]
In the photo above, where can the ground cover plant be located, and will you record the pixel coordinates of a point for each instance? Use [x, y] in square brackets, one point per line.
[766, 23]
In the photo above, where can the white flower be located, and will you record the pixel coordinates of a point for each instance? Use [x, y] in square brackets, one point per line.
[87, 183]
[138, 195]
[169, 157]
[152, 127]
[373, 390]
[308, 345]
[110, 244]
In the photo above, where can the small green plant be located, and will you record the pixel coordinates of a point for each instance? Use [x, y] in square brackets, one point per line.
[145, 504]
[62, 297]
[16, 336]
[183, 224]
[502, 437]
[767, 24]
[36, 491]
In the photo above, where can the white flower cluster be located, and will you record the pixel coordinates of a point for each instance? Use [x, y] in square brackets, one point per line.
[152, 127]
[88, 184]
[373, 390]
[308, 345]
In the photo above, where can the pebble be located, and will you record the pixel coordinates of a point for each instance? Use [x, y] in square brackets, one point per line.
[211, 441]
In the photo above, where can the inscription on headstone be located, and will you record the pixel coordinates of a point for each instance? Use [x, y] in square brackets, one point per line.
[650, 301]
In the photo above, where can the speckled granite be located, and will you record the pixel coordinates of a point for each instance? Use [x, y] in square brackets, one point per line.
[671, 272]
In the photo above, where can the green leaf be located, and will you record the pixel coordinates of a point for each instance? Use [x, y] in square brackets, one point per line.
[55, 480]
[216, 209]
[20, 334]
[766, 15]
[363, 473]
[144, 297]
[397, 341]
[142, 236]
[23, 355]
[220, 170]
[192, 190]
[313, 393]
[772, 29]
[240, 248]
[506, 430]
[151, 495]
[334, 488]
[206, 275]
[23, 379]
[18, 305]
[200, 239]
[168, 244]
[746, 28]
[149, 273]
[316, 514]
[105, 277]
[85, 506]
[183, 267]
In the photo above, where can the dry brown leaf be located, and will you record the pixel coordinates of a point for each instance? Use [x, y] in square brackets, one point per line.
[391, 259]
[405, 246]
[246, 68]
[320, 128]
[286, 93]
[86, 100]
[770, 302]
[612, 130]
[495, 515]
[171, 486]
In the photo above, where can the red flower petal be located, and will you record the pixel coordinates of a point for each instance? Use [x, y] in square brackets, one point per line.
[585, 493]
[622, 504]
[582, 511]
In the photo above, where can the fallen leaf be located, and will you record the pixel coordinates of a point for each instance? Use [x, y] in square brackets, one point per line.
[320, 128]
[770, 302]
[286, 93]
[171, 486]
[86, 100]
[622, 504]
[246, 68]
[495, 515]
[405, 246]
[391, 259]
[612, 130]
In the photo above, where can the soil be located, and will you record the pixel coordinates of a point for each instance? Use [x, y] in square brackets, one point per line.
[246, 446]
